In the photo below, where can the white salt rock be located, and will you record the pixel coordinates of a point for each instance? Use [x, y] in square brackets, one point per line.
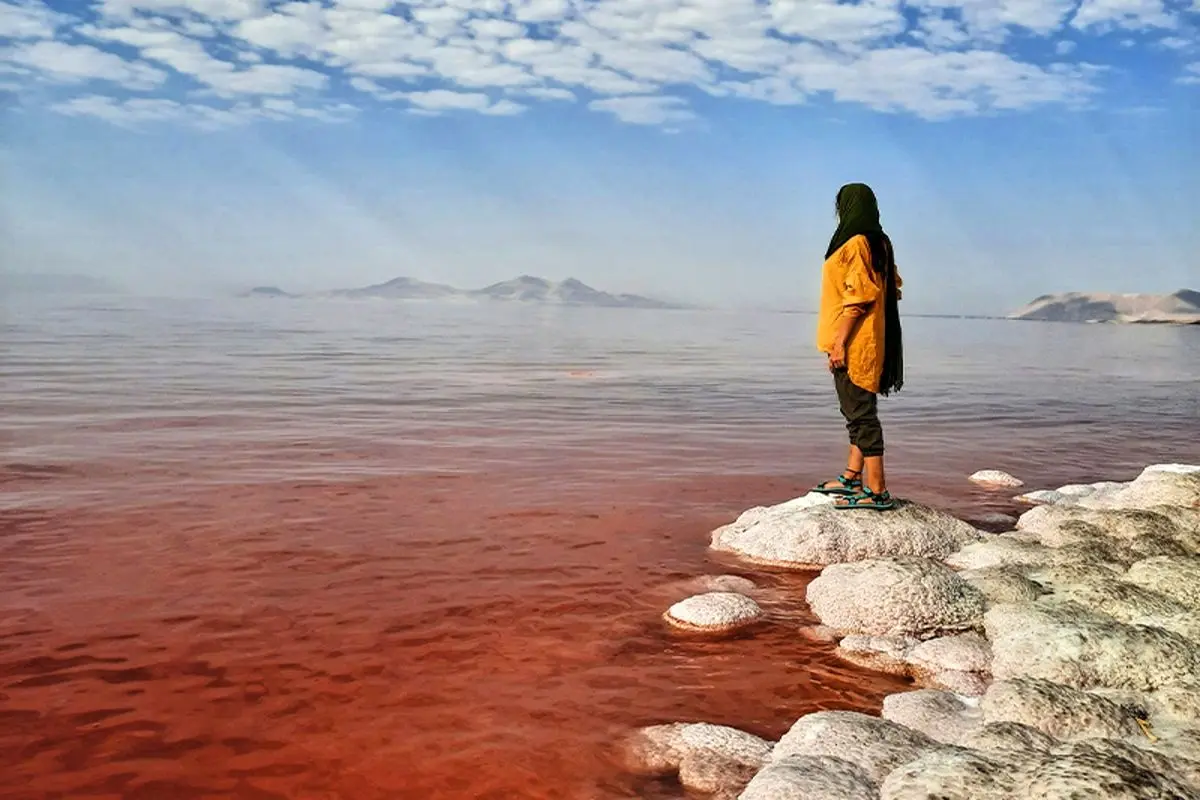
[714, 611]
[994, 477]
[1041, 496]
[894, 597]
[797, 534]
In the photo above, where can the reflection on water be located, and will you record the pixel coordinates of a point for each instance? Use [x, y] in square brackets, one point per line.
[266, 549]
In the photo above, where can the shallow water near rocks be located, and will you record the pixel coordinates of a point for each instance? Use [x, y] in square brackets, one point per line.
[261, 549]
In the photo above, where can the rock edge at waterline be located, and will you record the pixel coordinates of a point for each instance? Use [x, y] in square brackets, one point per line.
[1059, 660]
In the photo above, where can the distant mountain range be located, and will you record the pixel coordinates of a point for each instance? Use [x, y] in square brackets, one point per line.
[525, 289]
[1180, 308]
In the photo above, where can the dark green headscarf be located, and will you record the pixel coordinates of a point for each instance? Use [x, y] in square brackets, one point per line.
[858, 215]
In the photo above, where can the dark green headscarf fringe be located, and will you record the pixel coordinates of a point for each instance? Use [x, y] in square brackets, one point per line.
[858, 215]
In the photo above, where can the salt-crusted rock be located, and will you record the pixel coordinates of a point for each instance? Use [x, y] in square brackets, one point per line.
[804, 535]
[993, 519]
[1085, 772]
[1183, 770]
[994, 477]
[1002, 584]
[1008, 737]
[1041, 496]
[1158, 485]
[967, 652]
[713, 772]
[1124, 602]
[1072, 645]
[967, 684]
[811, 778]
[655, 750]
[1171, 705]
[1053, 577]
[1184, 623]
[662, 749]
[712, 759]
[1177, 577]
[1055, 710]
[942, 716]
[880, 653]
[714, 611]
[952, 775]
[1183, 748]
[1071, 772]
[1001, 551]
[1144, 532]
[876, 745]
[895, 597]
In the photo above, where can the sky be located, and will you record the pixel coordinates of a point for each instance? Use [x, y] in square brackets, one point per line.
[688, 149]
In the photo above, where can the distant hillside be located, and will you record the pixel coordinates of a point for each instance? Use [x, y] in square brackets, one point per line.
[1181, 308]
[571, 292]
[267, 291]
[55, 283]
[524, 289]
[402, 289]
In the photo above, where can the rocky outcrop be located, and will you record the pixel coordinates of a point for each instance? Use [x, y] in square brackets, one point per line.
[1060, 660]
[707, 758]
[808, 533]
[1181, 308]
[895, 597]
[996, 479]
[713, 612]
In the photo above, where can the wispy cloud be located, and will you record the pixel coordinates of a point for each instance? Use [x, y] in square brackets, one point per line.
[230, 61]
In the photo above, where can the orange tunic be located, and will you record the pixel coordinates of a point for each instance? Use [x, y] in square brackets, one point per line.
[847, 279]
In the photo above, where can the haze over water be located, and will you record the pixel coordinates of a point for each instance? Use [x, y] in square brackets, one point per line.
[322, 549]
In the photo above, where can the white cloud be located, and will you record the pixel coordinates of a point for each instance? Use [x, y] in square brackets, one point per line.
[129, 112]
[643, 110]
[216, 9]
[635, 59]
[79, 63]
[1177, 43]
[1128, 14]
[496, 29]
[28, 21]
[444, 100]
[189, 57]
[139, 111]
[990, 20]
[542, 93]
[1191, 74]
[842, 23]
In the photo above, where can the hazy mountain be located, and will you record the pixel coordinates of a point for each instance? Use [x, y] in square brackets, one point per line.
[267, 291]
[571, 292]
[55, 283]
[403, 289]
[524, 289]
[1183, 307]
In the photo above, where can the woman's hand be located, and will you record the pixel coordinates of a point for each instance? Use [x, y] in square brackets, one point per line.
[837, 356]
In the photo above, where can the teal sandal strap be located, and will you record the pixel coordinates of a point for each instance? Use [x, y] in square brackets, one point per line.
[848, 485]
[866, 499]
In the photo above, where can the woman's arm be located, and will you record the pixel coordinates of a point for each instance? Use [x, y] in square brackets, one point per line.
[847, 323]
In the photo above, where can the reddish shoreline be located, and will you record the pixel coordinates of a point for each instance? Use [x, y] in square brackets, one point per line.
[440, 636]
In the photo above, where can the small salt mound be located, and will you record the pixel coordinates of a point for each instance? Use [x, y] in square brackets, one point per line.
[994, 477]
[714, 611]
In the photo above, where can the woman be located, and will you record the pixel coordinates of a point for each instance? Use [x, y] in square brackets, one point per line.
[859, 330]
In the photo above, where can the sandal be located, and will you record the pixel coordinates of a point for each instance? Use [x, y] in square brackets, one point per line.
[866, 499]
[848, 485]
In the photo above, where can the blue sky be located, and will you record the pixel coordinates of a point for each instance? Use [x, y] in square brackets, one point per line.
[685, 148]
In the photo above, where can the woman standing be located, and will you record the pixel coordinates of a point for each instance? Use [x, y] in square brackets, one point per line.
[859, 330]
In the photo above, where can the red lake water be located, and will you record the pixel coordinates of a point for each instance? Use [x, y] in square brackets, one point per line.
[258, 549]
